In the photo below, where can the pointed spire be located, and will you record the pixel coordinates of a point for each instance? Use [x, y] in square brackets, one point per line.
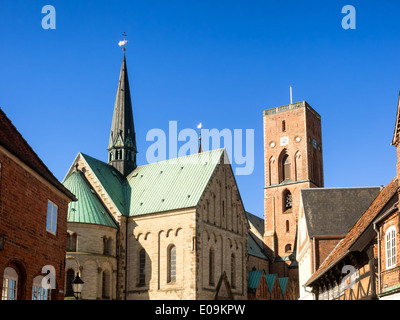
[122, 144]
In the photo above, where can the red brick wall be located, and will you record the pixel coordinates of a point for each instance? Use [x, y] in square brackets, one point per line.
[323, 247]
[23, 210]
[276, 217]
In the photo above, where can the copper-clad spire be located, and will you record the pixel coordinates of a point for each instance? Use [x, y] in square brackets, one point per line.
[122, 144]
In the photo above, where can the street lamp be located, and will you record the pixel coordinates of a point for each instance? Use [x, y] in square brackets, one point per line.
[77, 285]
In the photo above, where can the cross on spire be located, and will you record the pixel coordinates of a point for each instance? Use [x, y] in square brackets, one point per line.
[122, 43]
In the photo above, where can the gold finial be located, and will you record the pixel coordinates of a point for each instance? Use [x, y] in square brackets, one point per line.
[122, 43]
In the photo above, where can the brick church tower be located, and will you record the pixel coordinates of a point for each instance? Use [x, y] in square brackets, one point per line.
[293, 161]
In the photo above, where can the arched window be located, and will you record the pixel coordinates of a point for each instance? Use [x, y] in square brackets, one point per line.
[271, 171]
[233, 271]
[287, 226]
[142, 268]
[71, 242]
[390, 237]
[288, 248]
[107, 246]
[70, 275]
[10, 284]
[283, 126]
[298, 168]
[211, 267]
[287, 201]
[105, 290]
[171, 264]
[286, 168]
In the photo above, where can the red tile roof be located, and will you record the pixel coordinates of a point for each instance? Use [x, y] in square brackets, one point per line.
[342, 249]
[14, 142]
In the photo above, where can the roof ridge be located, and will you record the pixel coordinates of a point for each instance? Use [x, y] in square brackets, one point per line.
[178, 160]
[336, 188]
[50, 176]
[187, 156]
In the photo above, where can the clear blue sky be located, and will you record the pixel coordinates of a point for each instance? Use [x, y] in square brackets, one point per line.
[219, 62]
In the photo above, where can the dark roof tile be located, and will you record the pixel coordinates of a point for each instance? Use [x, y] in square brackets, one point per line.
[333, 211]
[343, 247]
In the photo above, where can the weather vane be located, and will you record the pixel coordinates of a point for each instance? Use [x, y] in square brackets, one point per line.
[122, 43]
[199, 126]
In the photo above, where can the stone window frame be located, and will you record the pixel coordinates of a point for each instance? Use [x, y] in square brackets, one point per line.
[171, 264]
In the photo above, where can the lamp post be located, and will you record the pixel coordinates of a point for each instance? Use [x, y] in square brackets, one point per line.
[77, 285]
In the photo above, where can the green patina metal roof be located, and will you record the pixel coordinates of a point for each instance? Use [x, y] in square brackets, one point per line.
[111, 179]
[283, 284]
[270, 280]
[256, 275]
[157, 187]
[171, 184]
[254, 279]
[88, 208]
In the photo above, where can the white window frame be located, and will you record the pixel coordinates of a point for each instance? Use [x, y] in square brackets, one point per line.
[390, 247]
[10, 284]
[51, 218]
[38, 292]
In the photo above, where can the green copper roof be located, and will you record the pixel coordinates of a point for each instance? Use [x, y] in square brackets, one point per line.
[111, 180]
[254, 279]
[88, 208]
[157, 187]
[270, 280]
[171, 184]
[283, 284]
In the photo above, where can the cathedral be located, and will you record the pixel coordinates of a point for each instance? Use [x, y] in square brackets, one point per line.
[175, 229]
[178, 229]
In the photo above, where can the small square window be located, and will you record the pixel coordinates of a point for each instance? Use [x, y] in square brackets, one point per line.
[51, 222]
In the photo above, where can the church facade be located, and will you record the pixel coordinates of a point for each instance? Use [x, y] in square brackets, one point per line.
[175, 229]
